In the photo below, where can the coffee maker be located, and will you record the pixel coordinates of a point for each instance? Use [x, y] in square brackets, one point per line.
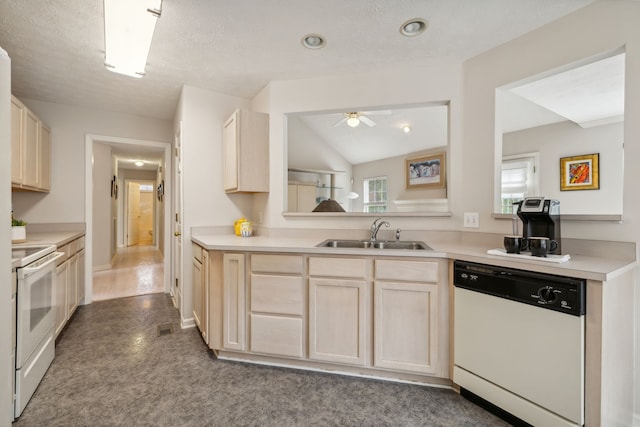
[540, 217]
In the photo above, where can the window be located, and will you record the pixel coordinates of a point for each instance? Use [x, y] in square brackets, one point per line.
[375, 194]
[519, 179]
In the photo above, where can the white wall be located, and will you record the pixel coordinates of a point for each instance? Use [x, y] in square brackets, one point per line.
[377, 89]
[567, 139]
[394, 169]
[102, 221]
[65, 202]
[603, 26]
[308, 150]
[203, 114]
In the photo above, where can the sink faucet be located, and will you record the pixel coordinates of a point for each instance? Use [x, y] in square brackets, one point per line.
[375, 227]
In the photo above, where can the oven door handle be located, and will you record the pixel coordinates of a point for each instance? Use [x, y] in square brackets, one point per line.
[28, 271]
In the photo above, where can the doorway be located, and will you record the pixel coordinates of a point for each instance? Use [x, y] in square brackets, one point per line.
[144, 266]
[139, 213]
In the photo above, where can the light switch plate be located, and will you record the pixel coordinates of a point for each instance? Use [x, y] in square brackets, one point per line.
[472, 220]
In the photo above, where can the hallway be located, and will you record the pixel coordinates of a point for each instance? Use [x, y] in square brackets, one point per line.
[136, 270]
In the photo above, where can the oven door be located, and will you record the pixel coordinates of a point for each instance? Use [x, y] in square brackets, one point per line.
[35, 305]
[35, 344]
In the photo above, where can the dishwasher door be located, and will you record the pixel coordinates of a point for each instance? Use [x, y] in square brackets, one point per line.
[527, 360]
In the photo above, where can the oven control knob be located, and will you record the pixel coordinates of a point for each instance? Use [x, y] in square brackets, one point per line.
[547, 294]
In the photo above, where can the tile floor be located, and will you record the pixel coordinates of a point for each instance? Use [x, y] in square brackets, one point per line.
[136, 270]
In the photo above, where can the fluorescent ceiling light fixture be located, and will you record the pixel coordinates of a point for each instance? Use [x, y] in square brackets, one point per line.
[139, 163]
[128, 30]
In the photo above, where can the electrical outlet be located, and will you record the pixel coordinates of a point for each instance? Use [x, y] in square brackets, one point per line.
[472, 220]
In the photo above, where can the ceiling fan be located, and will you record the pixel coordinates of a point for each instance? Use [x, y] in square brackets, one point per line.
[353, 118]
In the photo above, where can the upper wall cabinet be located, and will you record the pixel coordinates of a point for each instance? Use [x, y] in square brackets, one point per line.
[30, 150]
[246, 152]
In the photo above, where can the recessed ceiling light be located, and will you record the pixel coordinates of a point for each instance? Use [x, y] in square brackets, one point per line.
[413, 27]
[139, 163]
[313, 41]
[406, 128]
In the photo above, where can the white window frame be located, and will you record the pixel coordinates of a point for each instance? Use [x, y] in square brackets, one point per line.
[528, 161]
[366, 204]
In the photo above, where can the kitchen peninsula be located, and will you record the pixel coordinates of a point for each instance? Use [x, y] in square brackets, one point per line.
[387, 313]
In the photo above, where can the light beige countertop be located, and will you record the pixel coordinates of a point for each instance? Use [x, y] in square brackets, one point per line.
[580, 266]
[58, 238]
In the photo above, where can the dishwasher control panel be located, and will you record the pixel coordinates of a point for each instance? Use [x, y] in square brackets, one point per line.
[558, 293]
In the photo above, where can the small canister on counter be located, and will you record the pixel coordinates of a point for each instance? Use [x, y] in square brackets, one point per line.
[246, 229]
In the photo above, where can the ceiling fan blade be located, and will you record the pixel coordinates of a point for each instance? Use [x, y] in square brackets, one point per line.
[341, 121]
[367, 121]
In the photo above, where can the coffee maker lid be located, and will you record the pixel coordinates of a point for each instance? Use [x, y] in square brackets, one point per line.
[532, 204]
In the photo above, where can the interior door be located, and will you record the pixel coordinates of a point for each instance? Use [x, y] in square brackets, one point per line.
[146, 216]
[133, 213]
[177, 225]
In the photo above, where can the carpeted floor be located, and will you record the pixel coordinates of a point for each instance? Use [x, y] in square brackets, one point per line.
[113, 368]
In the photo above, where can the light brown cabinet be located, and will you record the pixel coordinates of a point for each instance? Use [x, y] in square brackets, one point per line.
[246, 152]
[69, 289]
[385, 316]
[410, 333]
[201, 290]
[277, 303]
[30, 150]
[234, 302]
[338, 296]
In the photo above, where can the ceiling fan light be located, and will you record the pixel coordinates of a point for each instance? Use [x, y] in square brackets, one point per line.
[353, 122]
[413, 27]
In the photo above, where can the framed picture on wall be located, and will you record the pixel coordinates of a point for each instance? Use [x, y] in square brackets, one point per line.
[580, 172]
[426, 171]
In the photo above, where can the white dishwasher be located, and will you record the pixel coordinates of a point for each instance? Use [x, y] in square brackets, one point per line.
[519, 343]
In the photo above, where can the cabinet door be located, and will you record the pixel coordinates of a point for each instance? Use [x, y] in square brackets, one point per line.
[405, 330]
[230, 152]
[72, 285]
[81, 282]
[31, 143]
[45, 158]
[197, 292]
[17, 137]
[233, 295]
[337, 320]
[60, 296]
[204, 295]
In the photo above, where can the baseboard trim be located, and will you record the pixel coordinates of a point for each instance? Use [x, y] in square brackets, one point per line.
[102, 267]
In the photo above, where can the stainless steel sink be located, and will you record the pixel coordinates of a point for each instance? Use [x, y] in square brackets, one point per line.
[377, 244]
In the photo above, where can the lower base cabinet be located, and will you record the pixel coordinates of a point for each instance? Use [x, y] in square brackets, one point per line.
[365, 314]
[69, 289]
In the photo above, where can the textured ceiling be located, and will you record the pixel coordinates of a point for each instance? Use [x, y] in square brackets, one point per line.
[237, 47]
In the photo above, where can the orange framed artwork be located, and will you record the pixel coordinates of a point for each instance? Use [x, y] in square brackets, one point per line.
[580, 172]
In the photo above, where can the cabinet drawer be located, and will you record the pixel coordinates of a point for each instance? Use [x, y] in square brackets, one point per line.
[277, 294]
[338, 267]
[276, 335]
[415, 271]
[197, 252]
[276, 264]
